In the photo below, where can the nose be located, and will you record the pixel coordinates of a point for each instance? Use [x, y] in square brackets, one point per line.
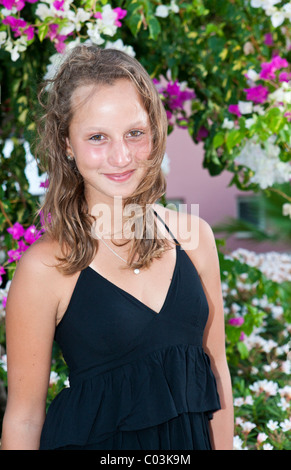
[120, 155]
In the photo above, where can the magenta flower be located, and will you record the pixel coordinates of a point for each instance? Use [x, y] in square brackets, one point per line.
[9, 4]
[59, 4]
[202, 134]
[29, 32]
[14, 255]
[234, 109]
[120, 15]
[238, 321]
[269, 39]
[14, 23]
[257, 94]
[284, 77]
[2, 272]
[16, 231]
[4, 301]
[45, 184]
[32, 234]
[279, 63]
[269, 68]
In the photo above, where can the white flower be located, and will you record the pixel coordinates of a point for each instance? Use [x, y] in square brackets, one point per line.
[3, 362]
[107, 25]
[237, 443]
[267, 386]
[286, 425]
[227, 124]
[248, 426]
[3, 36]
[261, 437]
[43, 11]
[272, 425]
[245, 107]
[249, 122]
[94, 33]
[54, 378]
[267, 167]
[268, 447]
[252, 75]
[120, 46]
[287, 209]
[238, 401]
[162, 11]
[173, 7]
[264, 3]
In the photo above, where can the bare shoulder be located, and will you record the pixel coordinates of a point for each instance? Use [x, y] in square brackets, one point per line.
[36, 277]
[40, 258]
[193, 233]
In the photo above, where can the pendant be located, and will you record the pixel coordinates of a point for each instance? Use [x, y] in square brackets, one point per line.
[136, 271]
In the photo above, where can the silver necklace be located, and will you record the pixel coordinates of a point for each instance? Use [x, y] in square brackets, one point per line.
[136, 270]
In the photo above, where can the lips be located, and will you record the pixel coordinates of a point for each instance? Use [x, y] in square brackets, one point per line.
[119, 177]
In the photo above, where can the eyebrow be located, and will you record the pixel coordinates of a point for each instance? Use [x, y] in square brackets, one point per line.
[102, 129]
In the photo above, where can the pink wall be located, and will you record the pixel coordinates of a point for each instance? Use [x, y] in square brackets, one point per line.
[188, 180]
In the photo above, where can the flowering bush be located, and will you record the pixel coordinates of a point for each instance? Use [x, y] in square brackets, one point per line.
[257, 131]
[257, 294]
[223, 72]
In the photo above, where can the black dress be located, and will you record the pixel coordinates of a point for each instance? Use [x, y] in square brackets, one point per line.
[138, 379]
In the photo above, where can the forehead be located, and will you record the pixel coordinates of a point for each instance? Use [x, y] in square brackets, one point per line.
[96, 99]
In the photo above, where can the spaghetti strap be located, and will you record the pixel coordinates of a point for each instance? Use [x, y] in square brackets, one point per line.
[167, 228]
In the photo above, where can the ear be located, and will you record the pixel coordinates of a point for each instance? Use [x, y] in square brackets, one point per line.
[69, 150]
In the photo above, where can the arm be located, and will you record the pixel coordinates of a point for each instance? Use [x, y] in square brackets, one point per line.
[205, 259]
[30, 326]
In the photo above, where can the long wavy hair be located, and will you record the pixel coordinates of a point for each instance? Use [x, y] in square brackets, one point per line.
[65, 210]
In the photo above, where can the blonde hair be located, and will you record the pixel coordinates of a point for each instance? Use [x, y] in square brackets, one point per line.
[65, 209]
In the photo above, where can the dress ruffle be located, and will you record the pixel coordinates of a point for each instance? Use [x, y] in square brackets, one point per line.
[147, 392]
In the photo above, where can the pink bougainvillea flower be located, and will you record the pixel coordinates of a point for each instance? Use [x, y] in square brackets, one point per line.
[288, 116]
[14, 23]
[234, 109]
[14, 255]
[202, 134]
[238, 321]
[16, 231]
[32, 234]
[4, 301]
[59, 4]
[284, 77]
[269, 39]
[120, 15]
[257, 94]
[2, 273]
[45, 184]
[279, 63]
[29, 32]
[9, 4]
[269, 68]
[98, 15]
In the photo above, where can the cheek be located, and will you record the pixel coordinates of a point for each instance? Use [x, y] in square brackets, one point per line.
[89, 157]
[142, 151]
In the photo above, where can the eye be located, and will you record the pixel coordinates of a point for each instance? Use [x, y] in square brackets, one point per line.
[97, 137]
[136, 133]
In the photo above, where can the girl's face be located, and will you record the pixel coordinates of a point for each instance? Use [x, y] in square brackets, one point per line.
[109, 137]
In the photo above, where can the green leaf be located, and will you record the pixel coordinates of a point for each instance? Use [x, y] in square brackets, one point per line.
[154, 27]
[233, 138]
[218, 140]
[42, 31]
[243, 350]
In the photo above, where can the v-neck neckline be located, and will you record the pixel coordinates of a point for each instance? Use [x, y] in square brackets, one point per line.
[135, 299]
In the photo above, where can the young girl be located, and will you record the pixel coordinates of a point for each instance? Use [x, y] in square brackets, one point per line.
[139, 319]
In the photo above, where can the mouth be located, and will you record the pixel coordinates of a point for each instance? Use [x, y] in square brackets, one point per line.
[119, 177]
